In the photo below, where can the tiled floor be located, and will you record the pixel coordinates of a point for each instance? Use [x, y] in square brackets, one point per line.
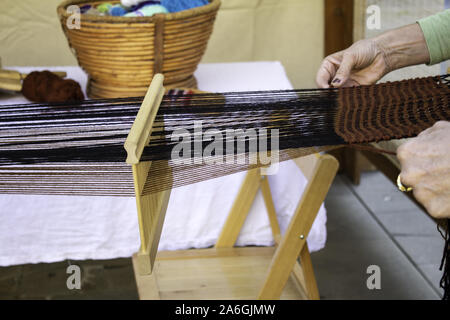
[101, 279]
[369, 224]
[375, 224]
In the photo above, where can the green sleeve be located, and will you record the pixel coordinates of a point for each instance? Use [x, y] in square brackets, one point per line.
[436, 29]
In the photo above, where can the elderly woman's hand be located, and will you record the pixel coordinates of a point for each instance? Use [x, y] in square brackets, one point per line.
[367, 61]
[362, 63]
[425, 162]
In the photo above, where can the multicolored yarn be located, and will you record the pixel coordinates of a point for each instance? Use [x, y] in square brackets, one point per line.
[104, 7]
[171, 5]
[147, 11]
[142, 8]
[94, 12]
[117, 11]
[143, 4]
[180, 5]
[85, 8]
[131, 3]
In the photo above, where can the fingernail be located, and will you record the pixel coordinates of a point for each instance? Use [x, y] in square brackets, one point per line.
[337, 80]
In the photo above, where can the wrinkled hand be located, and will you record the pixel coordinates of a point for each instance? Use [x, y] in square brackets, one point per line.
[361, 64]
[425, 162]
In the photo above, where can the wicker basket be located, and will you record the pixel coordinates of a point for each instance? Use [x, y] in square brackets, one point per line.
[121, 54]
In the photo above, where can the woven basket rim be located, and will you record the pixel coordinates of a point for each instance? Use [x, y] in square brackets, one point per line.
[213, 5]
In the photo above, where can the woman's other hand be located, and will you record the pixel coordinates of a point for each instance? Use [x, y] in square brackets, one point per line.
[425, 162]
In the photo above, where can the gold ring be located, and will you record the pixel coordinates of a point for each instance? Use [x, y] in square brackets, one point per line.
[401, 187]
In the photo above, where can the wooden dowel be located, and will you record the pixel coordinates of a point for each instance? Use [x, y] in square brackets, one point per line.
[10, 84]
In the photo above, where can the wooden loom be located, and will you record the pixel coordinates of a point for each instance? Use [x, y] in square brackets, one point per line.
[225, 272]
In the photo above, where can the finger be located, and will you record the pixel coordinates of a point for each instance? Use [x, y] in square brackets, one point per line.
[428, 131]
[326, 72]
[404, 151]
[411, 171]
[441, 124]
[424, 196]
[411, 175]
[436, 206]
[344, 71]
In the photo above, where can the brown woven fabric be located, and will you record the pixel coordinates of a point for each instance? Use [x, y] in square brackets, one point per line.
[391, 110]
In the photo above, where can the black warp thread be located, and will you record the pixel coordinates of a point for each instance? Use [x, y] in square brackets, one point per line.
[304, 118]
[95, 130]
[445, 263]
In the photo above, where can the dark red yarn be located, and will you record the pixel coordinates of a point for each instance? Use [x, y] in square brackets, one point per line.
[44, 86]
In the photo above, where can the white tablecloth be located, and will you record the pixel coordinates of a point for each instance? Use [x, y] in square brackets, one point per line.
[53, 228]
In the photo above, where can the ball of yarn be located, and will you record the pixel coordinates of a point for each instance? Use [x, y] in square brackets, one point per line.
[104, 7]
[130, 3]
[117, 11]
[94, 12]
[85, 8]
[44, 86]
[143, 4]
[180, 5]
[147, 11]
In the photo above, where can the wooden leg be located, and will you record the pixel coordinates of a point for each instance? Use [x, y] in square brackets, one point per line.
[294, 239]
[147, 285]
[239, 210]
[151, 210]
[308, 274]
[351, 165]
[265, 189]
[304, 273]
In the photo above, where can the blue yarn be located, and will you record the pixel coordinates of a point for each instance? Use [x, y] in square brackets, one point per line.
[117, 11]
[85, 8]
[147, 11]
[180, 5]
[143, 4]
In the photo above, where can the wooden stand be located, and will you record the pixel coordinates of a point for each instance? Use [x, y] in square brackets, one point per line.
[226, 272]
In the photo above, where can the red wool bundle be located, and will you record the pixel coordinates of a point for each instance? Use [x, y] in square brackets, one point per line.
[44, 86]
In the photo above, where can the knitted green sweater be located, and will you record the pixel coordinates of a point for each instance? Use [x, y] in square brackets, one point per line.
[436, 29]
